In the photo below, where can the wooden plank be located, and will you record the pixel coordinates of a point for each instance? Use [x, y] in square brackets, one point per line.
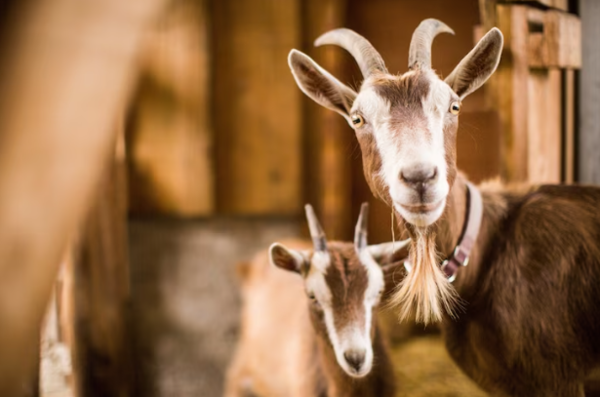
[170, 137]
[510, 84]
[589, 95]
[558, 45]
[257, 112]
[328, 177]
[544, 126]
[569, 126]
[562, 33]
[65, 77]
[101, 297]
[557, 4]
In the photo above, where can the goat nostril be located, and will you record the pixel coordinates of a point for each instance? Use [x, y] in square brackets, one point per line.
[418, 174]
[355, 358]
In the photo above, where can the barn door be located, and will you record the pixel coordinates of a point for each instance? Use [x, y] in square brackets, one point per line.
[533, 88]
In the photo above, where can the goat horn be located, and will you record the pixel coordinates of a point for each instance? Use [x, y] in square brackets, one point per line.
[419, 55]
[364, 53]
[360, 233]
[316, 231]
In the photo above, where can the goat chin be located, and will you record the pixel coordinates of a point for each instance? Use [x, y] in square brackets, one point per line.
[425, 291]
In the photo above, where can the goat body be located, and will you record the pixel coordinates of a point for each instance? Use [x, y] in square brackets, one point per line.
[531, 324]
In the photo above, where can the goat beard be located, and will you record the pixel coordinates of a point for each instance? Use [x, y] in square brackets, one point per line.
[425, 291]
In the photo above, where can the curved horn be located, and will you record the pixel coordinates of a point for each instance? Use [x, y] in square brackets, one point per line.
[364, 53]
[419, 55]
[316, 231]
[360, 233]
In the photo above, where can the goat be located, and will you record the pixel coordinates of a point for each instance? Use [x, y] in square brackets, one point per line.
[331, 348]
[522, 319]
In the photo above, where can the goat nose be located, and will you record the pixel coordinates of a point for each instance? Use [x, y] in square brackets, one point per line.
[418, 174]
[355, 358]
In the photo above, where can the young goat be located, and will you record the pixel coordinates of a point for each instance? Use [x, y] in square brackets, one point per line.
[529, 323]
[334, 347]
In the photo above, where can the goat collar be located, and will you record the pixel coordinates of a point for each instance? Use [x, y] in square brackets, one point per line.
[468, 236]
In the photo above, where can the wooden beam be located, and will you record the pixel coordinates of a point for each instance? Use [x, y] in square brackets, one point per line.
[562, 5]
[509, 86]
[544, 126]
[558, 43]
[64, 77]
[328, 136]
[257, 114]
[569, 126]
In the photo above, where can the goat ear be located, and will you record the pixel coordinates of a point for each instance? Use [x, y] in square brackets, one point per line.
[319, 85]
[478, 65]
[286, 259]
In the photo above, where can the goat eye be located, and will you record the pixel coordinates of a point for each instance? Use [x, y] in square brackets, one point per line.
[455, 108]
[357, 120]
[311, 296]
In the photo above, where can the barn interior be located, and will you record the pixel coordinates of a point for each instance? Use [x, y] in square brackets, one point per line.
[170, 143]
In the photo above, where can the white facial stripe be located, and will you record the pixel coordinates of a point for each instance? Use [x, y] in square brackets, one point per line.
[315, 279]
[403, 146]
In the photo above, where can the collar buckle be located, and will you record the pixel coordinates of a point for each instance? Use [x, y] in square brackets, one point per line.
[460, 255]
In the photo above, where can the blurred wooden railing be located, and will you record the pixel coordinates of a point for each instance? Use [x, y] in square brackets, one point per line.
[65, 77]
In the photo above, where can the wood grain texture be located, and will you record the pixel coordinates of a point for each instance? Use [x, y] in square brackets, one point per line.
[569, 155]
[257, 113]
[559, 44]
[589, 95]
[544, 126]
[170, 138]
[558, 4]
[328, 178]
[510, 84]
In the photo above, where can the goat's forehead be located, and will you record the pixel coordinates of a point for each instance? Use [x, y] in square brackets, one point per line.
[340, 268]
[382, 93]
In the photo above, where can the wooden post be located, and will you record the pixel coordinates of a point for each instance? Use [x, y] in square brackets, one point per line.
[511, 84]
[328, 136]
[257, 114]
[64, 77]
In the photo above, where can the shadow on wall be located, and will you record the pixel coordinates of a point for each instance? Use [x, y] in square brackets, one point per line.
[185, 301]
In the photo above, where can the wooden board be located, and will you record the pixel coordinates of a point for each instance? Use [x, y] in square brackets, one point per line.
[558, 43]
[558, 4]
[170, 140]
[328, 178]
[569, 154]
[257, 114]
[510, 84]
[544, 126]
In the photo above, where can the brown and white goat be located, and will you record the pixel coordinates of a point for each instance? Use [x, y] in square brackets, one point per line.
[311, 331]
[530, 318]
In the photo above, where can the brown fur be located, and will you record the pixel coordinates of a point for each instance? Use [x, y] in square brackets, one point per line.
[284, 349]
[530, 292]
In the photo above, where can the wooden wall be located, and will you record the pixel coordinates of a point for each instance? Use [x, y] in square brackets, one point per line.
[219, 126]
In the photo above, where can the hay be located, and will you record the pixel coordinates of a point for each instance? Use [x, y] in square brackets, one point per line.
[423, 368]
